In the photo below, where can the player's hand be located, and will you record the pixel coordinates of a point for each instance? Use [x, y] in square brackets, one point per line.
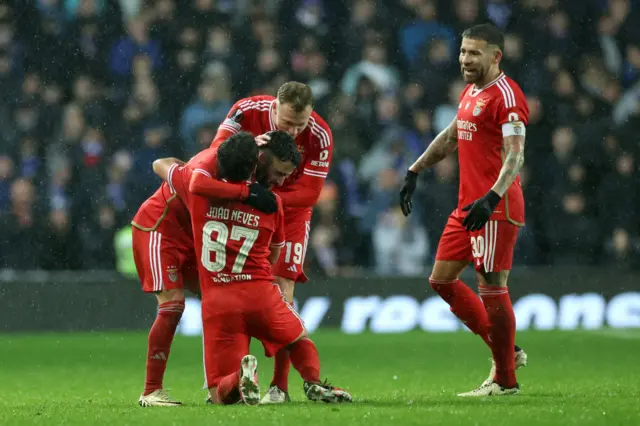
[480, 211]
[262, 139]
[410, 183]
[262, 199]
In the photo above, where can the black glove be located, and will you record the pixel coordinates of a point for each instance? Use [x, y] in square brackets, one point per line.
[410, 183]
[262, 199]
[480, 211]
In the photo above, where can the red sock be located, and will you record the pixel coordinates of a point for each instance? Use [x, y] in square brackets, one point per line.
[305, 359]
[281, 368]
[465, 304]
[160, 338]
[228, 390]
[502, 332]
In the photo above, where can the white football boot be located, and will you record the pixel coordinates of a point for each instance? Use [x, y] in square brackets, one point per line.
[275, 395]
[324, 392]
[492, 389]
[249, 388]
[158, 398]
[521, 361]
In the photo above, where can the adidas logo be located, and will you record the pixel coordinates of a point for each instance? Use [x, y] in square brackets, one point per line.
[292, 268]
[160, 356]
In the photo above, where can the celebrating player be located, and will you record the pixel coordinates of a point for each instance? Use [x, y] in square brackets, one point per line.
[489, 133]
[236, 245]
[166, 264]
[291, 111]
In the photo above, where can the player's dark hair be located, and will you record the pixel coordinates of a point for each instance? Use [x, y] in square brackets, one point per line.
[487, 32]
[283, 147]
[298, 95]
[237, 157]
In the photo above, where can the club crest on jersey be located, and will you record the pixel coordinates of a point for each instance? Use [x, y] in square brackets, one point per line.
[477, 110]
[173, 274]
[301, 149]
[517, 128]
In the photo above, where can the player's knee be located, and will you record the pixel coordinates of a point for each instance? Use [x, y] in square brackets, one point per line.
[165, 296]
[447, 270]
[493, 279]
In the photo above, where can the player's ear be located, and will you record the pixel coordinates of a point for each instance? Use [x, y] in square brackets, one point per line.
[497, 56]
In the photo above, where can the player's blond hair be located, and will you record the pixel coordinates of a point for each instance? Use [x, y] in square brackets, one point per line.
[296, 94]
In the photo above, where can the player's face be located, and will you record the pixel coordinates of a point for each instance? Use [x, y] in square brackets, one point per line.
[290, 121]
[278, 171]
[476, 59]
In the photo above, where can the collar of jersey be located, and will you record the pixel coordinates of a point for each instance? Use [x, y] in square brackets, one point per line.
[475, 90]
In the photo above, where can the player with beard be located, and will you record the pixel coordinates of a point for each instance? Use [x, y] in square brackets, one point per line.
[165, 258]
[489, 134]
[291, 110]
[236, 244]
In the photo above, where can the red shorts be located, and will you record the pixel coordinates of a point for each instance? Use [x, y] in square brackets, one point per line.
[291, 260]
[163, 264]
[233, 314]
[490, 249]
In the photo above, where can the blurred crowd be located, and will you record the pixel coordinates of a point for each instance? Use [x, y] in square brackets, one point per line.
[94, 90]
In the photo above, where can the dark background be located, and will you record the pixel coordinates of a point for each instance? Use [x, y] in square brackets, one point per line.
[94, 90]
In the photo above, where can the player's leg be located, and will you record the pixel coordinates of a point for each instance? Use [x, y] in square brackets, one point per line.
[494, 254]
[288, 271]
[150, 255]
[453, 255]
[279, 387]
[170, 310]
[231, 373]
[281, 328]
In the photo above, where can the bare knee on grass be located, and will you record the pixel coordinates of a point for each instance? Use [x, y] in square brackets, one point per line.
[447, 270]
[165, 296]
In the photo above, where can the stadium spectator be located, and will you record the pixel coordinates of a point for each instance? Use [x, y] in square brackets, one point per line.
[94, 89]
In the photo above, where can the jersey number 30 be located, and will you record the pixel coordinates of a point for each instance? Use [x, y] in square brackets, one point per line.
[218, 245]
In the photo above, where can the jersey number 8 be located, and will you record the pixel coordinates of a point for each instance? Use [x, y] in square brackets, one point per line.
[218, 245]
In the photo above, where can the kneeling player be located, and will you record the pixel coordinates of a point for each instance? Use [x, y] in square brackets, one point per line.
[166, 264]
[236, 245]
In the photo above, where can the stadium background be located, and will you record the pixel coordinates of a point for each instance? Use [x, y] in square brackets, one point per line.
[94, 90]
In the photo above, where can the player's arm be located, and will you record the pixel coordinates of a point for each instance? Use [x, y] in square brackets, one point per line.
[277, 240]
[305, 191]
[161, 166]
[512, 115]
[201, 182]
[178, 181]
[204, 184]
[232, 123]
[444, 144]
[513, 146]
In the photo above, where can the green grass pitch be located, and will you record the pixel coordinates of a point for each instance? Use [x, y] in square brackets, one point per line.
[573, 378]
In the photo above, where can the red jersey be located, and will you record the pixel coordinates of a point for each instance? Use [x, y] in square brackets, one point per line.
[165, 213]
[232, 240]
[481, 114]
[302, 189]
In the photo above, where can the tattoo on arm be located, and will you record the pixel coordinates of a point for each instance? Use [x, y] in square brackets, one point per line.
[444, 144]
[514, 149]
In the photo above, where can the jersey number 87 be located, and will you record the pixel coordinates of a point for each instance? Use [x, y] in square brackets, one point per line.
[218, 245]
